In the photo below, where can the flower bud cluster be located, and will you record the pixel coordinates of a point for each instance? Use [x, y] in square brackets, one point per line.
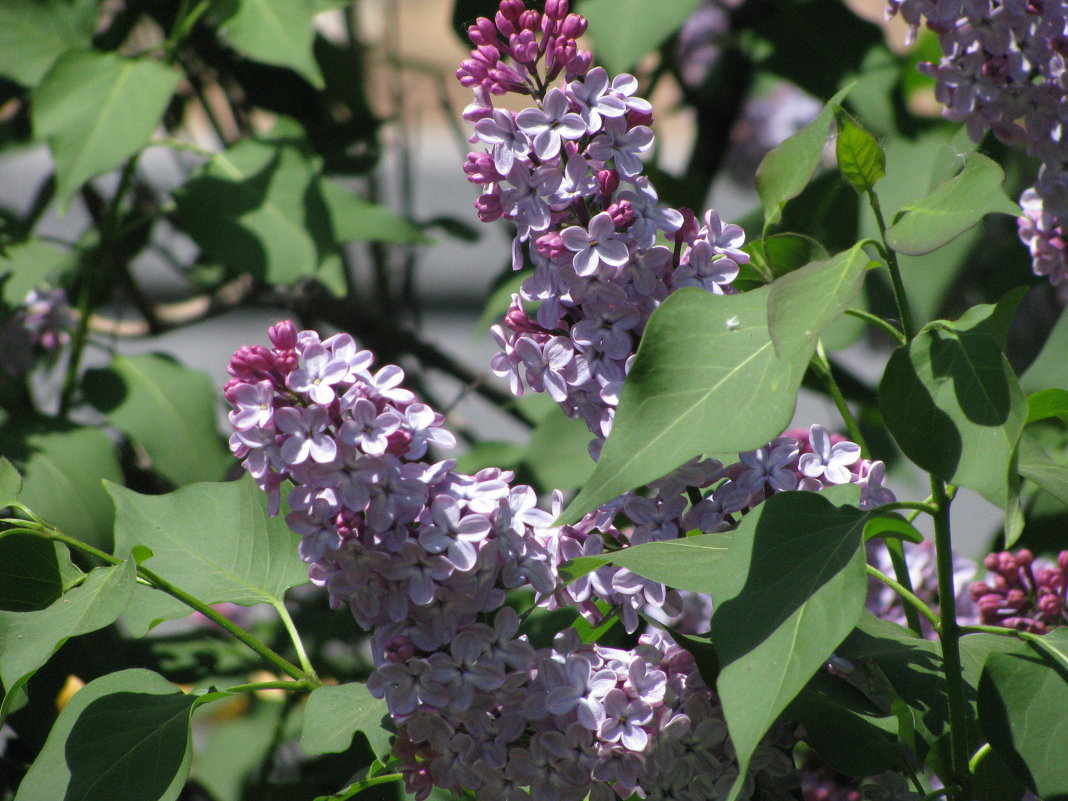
[1023, 592]
[1003, 69]
[423, 557]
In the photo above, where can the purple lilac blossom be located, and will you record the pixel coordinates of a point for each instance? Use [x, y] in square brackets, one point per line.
[422, 554]
[1004, 69]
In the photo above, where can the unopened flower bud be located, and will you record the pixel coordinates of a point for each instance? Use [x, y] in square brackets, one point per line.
[283, 335]
[573, 26]
[608, 180]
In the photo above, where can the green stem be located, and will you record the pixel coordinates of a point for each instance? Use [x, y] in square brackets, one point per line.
[895, 271]
[195, 603]
[906, 595]
[949, 634]
[359, 787]
[917, 506]
[901, 573]
[878, 322]
[823, 370]
[1025, 636]
[979, 756]
[86, 299]
[294, 637]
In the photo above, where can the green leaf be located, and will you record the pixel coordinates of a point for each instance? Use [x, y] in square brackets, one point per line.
[806, 301]
[779, 254]
[691, 563]
[62, 469]
[909, 665]
[701, 355]
[860, 158]
[10, 483]
[1036, 465]
[251, 207]
[97, 109]
[26, 266]
[786, 170]
[34, 572]
[278, 32]
[1050, 368]
[125, 735]
[953, 404]
[558, 453]
[34, 33]
[1022, 698]
[358, 220]
[845, 728]
[1047, 403]
[28, 639]
[489, 453]
[793, 588]
[214, 541]
[889, 524]
[625, 30]
[952, 208]
[150, 398]
[335, 713]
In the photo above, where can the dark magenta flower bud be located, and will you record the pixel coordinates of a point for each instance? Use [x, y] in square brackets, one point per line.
[283, 335]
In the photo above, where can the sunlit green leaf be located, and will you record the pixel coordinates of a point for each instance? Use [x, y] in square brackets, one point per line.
[558, 453]
[125, 735]
[214, 541]
[786, 170]
[34, 33]
[860, 159]
[358, 220]
[152, 398]
[779, 254]
[793, 587]
[703, 358]
[62, 469]
[1050, 368]
[278, 32]
[10, 483]
[250, 208]
[952, 208]
[625, 30]
[97, 109]
[953, 404]
[1047, 403]
[335, 713]
[889, 524]
[1036, 465]
[26, 265]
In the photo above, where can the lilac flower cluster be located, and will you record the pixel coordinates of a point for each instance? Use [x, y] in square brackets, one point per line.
[423, 557]
[1023, 592]
[567, 171]
[1003, 69]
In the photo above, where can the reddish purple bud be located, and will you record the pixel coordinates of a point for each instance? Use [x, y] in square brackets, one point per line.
[1049, 605]
[977, 590]
[524, 47]
[483, 32]
[573, 26]
[608, 180]
[579, 65]
[550, 246]
[251, 363]
[529, 20]
[228, 389]
[990, 561]
[556, 9]
[622, 214]
[489, 207]
[1062, 560]
[398, 442]
[1024, 557]
[286, 361]
[283, 335]
[480, 170]
[635, 118]
[688, 232]
[1016, 599]
[399, 649]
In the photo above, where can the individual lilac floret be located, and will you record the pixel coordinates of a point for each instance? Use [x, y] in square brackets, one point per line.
[830, 461]
[550, 125]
